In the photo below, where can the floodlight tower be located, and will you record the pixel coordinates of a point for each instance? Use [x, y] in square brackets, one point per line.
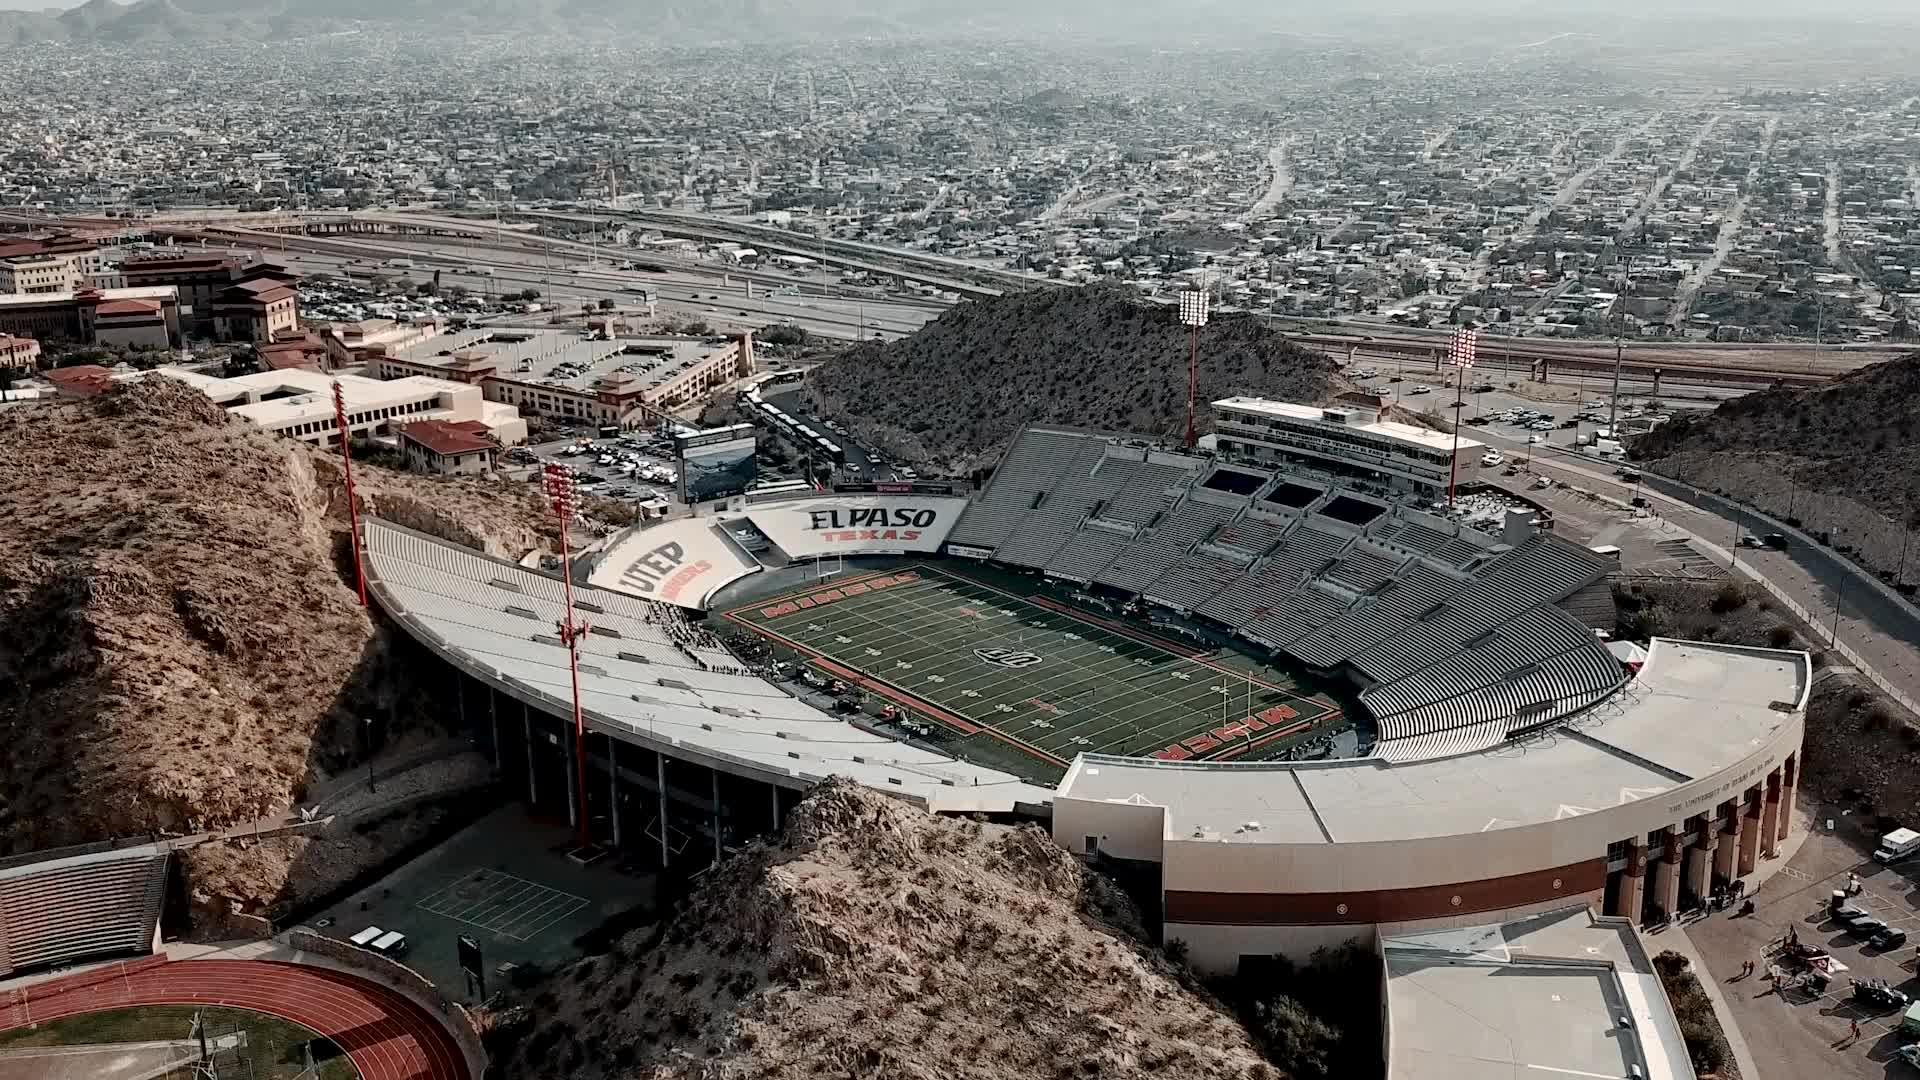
[1193, 312]
[563, 493]
[1462, 352]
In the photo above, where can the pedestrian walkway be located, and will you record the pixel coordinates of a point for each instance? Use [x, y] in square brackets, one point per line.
[1675, 938]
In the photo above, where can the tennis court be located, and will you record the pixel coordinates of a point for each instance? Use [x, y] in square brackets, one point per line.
[1025, 684]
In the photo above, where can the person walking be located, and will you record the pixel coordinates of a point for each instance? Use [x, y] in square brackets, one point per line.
[1853, 1029]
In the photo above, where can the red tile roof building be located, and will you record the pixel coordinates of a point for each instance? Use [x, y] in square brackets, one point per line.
[442, 446]
[18, 353]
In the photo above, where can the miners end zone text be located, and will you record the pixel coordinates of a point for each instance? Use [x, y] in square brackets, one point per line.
[1032, 675]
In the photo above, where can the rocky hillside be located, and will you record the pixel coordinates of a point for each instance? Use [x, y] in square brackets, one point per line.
[180, 644]
[1842, 458]
[872, 939]
[953, 394]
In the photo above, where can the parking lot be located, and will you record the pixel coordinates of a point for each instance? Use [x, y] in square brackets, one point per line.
[1798, 1031]
[629, 468]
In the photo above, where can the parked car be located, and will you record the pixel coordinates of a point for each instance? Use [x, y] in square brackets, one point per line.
[1888, 939]
[1866, 928]
[1847, 913]
[1876, 994]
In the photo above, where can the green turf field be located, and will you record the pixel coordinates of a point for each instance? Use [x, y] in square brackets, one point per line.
[272, 1048]
[1022, 684]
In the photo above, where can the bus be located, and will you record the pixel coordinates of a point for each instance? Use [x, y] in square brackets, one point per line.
[779, 487]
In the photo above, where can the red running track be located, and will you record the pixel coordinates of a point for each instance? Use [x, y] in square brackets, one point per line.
[384, 1033]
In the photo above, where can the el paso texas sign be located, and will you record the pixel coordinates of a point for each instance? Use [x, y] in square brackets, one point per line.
[865, 524]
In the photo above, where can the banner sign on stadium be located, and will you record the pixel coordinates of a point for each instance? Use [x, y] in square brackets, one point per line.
[683, 562]
[905, 524]
[664, 572]
[903, 487]
[869, 524]
[966, 551]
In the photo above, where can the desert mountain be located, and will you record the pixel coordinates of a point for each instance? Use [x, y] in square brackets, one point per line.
[873, 939]
[953, 394]
[181, 647]
[1843, 458]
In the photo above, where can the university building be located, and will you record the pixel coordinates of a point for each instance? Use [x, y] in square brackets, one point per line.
[1350, 438]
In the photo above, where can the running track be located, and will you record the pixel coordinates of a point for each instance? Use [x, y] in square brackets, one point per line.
[385, 1034]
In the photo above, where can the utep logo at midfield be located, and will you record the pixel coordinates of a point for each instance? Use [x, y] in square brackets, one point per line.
[1007, 658]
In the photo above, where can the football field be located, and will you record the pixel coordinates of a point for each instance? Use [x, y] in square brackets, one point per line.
[1025, 684]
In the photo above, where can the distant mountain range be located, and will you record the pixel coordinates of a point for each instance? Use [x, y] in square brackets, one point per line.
[688, 20]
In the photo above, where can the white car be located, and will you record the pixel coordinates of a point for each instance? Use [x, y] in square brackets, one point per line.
[1422, 389]
[1490, 459]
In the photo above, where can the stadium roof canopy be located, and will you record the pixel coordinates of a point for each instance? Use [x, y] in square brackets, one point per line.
[645, 681]
[1695, 710]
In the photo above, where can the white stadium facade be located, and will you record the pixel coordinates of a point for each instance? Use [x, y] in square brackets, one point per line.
[1513, 766]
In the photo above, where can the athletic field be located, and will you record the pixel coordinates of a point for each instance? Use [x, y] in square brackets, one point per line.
[1025, 684]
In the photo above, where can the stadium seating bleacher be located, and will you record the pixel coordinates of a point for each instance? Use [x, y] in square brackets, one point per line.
[1457, 635]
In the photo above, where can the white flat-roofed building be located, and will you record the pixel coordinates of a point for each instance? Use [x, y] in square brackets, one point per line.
[1349, 437]
[1678, 780]
[1566, 993]
[298, 403]
[624, 382]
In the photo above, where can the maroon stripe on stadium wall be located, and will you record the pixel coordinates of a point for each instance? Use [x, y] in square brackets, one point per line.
[1385, 905]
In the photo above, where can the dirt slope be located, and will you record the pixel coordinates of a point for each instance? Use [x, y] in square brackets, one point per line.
[872, 939]
[1842, 458]
[178, 633]
[953, 394]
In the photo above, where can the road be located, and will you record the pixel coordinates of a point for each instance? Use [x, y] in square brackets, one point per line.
[715, 298]
[1281, 183]
[1883, 632]
[860, 465]
[1561, 198]
[1661, 182]
[1830, 218]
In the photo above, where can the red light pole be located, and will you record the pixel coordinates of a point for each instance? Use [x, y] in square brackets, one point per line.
[1465, 347]
[564, 496]
[353, 506]
[1193, 312]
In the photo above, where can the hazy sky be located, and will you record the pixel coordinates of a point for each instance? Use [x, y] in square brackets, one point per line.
[1630, 8]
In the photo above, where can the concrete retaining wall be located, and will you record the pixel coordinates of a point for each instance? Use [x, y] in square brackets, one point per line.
[393, 973]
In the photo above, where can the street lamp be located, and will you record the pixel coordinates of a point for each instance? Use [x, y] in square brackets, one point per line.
[366, 728]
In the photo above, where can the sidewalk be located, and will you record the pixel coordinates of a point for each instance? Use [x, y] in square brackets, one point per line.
[1675, 937]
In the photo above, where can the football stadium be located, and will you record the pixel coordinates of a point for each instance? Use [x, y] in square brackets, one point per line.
[1273, 678]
